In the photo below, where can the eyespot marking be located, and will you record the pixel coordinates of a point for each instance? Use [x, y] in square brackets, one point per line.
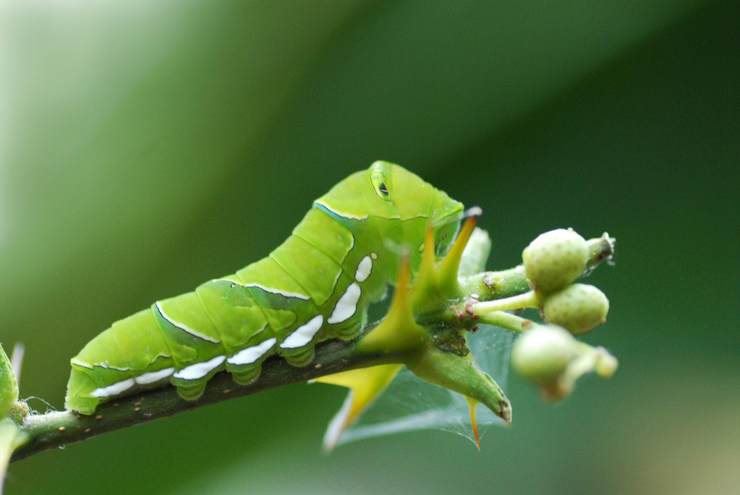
[380, 176]
[303, 334]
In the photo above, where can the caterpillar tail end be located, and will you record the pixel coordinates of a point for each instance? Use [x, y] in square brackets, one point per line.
[79, 389]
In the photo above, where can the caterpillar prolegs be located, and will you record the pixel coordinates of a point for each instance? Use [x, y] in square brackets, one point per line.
[316, 286]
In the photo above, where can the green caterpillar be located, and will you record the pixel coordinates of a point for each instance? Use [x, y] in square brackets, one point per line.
[317, 285]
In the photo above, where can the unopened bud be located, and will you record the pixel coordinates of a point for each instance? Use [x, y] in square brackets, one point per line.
[578, 307]
[542, 354]
[555, 259]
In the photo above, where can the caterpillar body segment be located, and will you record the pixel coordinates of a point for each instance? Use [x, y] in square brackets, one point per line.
[315, 286]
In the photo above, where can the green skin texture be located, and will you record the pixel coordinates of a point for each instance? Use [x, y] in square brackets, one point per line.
[383, 210]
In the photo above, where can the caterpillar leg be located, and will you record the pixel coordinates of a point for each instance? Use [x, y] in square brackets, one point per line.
[191, 392]
[246, 375]
[246, 365]
[191, 381]
[303, 354]
[351, 328]
[300, 357]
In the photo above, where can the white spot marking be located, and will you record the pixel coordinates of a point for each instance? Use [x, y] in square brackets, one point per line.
[303, 334]
[114, 389]
[184, 327]
[364, 269]
[153, 376]
[199, 370]
[252, 354]
[347, 304]
[374, 256]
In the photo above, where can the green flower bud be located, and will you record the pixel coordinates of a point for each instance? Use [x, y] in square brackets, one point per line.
[578, 307]
[555, 259]
[543, 354]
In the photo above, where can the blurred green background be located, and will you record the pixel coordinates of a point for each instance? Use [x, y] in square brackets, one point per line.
[148, 146]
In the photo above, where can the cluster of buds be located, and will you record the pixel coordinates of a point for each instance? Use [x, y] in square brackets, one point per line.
[548, 354]
[552, 262]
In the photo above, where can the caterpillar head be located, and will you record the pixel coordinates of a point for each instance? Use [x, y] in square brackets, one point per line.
[386, 191]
